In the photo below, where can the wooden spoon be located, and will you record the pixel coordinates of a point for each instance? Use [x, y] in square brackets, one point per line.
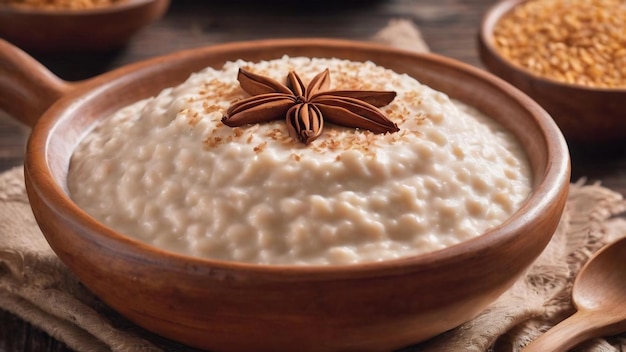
[599, 295]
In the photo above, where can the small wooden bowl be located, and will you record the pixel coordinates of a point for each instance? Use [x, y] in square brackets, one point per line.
[226, 306]
[60, 31]
[586, 115]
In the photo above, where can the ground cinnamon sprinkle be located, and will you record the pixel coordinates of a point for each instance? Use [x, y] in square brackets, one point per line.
[61, 4]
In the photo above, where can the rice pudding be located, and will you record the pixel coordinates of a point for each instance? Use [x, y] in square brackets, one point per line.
[167, 171]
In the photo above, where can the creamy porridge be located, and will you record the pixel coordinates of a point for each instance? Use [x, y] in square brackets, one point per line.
[167, 171]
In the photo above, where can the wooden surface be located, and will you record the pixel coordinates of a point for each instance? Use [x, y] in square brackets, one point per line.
[448, 26]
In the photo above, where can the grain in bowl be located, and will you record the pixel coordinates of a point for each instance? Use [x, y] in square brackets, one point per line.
[581, 42]
[169, 172]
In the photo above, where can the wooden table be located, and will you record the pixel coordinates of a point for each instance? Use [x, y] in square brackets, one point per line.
[448, 26]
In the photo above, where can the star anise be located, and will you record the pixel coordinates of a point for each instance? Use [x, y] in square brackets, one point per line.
[306, 107]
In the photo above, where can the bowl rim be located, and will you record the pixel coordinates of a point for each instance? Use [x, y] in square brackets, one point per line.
[553, 183]
[489, 21]
[118, 6]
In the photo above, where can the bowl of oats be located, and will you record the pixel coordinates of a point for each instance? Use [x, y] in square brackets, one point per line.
[292, 194]
[569, 56]
[68, 26]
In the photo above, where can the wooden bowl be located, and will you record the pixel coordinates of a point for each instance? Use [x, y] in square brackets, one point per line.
[60, 31]
[586, 115]
[226, 306]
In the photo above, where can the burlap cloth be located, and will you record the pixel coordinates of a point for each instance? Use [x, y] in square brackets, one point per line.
[36, 286]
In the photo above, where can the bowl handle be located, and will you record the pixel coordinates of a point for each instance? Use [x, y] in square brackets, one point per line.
[27, 88]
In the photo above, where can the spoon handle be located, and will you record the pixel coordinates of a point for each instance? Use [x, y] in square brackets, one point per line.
[581, 326]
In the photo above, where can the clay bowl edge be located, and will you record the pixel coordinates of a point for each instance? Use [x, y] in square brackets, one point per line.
[56, 31]
[234, 307]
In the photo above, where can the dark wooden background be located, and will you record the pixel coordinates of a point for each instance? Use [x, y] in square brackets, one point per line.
[448, 26]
